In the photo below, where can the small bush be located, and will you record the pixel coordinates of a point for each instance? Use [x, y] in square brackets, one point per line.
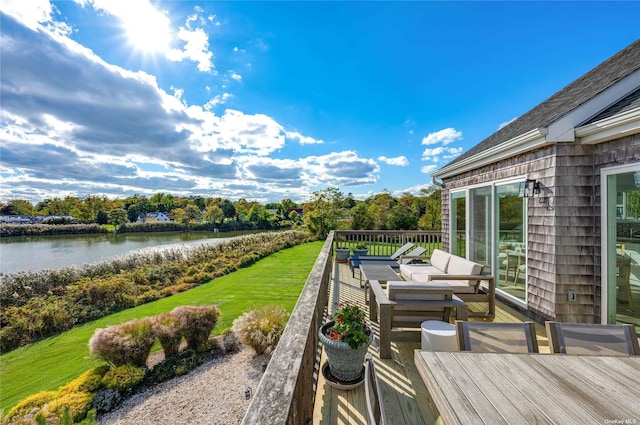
[123, 377]
[187, 361]
[196, 323]
[106, 400]
[78, 404]
[262, 328]
[176, 366]
[129, 342]
[167, 329]
[230, 341]
[90, 381]
[35, 401]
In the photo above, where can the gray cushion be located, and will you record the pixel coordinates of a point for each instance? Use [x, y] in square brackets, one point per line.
[440, 260]
[462, 266]
[410, 271]
[402, 290]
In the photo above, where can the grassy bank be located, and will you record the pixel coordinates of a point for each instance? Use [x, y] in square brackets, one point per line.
[276, 279]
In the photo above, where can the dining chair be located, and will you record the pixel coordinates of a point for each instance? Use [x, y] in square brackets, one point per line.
[373, 395]
[489, 337]
[586, 339]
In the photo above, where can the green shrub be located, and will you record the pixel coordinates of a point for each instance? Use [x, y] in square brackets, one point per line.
[187, 361]
[30, 403]
[230, 341]
[90, 381]
[196, 323]
[129, 342]
[52, 407]
[262, 328]
[167, 329]
[123, 377]
[78, 404]
[176, 366]
[106, 400]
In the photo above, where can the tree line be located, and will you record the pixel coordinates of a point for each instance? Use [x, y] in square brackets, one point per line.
[326, 210]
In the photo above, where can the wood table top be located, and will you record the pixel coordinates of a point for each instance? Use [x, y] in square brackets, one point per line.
[496, 388]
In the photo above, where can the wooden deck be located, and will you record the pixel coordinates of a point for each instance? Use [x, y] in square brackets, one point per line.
[405, 396]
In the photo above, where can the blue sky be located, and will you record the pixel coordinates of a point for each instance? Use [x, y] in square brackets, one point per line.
[273, 100]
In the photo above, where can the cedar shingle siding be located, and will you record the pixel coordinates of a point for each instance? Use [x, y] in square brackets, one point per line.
[564, 235]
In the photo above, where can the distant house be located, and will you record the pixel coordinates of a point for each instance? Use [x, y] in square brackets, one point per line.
[550, 203]
[153, 217]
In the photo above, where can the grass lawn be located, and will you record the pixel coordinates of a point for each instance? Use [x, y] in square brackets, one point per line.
[48, 364]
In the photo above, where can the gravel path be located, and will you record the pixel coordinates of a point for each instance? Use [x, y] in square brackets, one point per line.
[212, 394]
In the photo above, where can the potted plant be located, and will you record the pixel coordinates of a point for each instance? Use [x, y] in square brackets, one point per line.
[346, 340]
[342, 254]
[361, 249]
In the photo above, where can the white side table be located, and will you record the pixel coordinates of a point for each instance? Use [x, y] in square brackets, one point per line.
[438, 336]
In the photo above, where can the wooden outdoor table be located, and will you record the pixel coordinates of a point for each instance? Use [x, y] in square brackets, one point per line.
[380, 272]
[356, 263]
[491, 388]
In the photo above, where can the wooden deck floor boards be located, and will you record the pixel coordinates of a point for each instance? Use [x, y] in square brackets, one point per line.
[405, 396]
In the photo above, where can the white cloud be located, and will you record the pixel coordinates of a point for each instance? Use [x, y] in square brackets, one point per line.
[341, 169]
[303, 140]
[445, 136]
[430, 153]
[196, 48]
[31, 14]
[235, 75]
[219, 99]
[428, 168]
[237, 132]
[124, 134]
[399, 160]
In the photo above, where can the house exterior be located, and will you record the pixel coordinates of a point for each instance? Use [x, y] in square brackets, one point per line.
[153, 217]
[550, 203]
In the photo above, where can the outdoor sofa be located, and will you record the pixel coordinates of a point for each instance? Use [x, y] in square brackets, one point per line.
[463, 276]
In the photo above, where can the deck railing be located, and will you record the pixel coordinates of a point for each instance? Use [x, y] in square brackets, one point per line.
[385, 242]
[287, 390]
[286, 393]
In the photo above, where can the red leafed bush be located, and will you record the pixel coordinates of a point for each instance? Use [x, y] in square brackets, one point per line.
[168, 330]
[129, 342]
[196, 323]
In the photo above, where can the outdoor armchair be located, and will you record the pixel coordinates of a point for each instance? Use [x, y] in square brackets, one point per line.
[403, 306]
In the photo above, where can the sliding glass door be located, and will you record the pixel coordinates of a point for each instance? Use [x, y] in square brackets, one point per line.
[511, 240]
[621, 245]
[480, 226]
[489, 226]
[459, 223]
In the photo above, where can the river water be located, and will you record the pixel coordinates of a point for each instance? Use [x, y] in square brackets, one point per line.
[35, 253]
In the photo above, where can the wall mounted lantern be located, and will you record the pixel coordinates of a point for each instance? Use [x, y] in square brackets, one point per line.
[636, 178]
[529, 187]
